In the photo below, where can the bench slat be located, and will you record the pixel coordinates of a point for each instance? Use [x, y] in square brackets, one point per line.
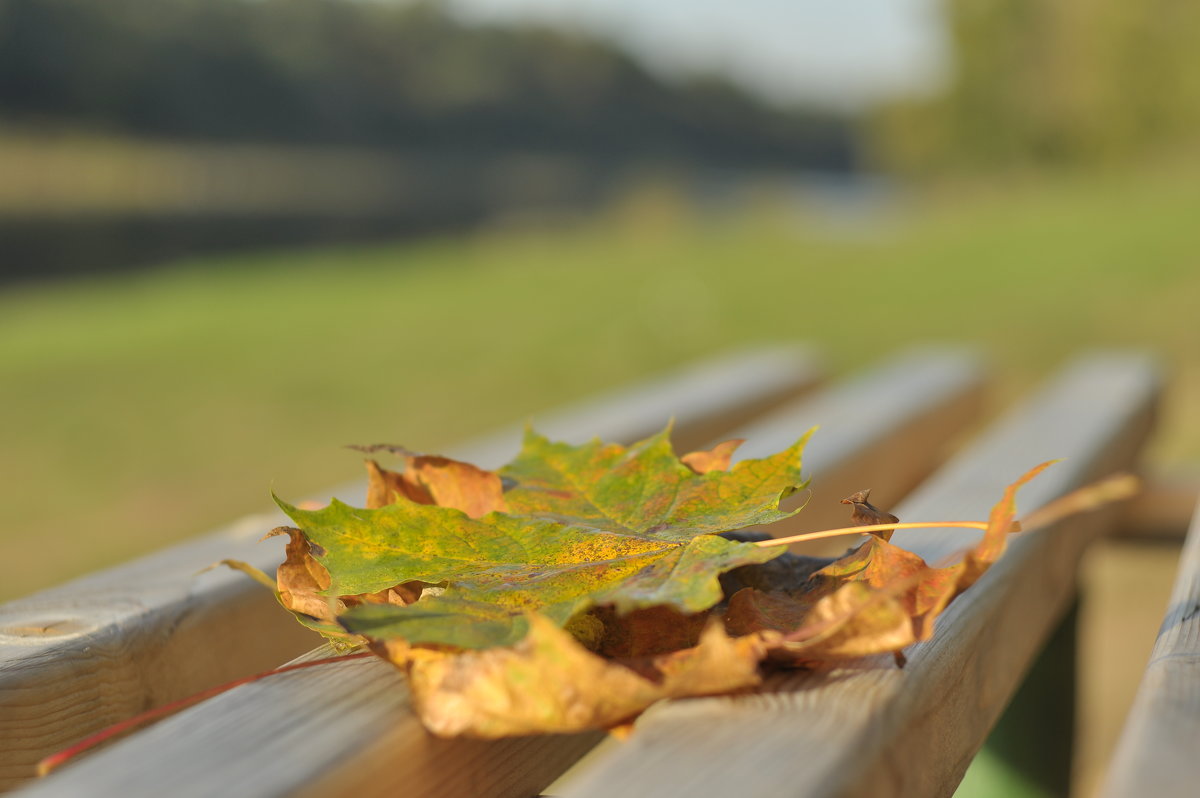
[1158, 751]
[882, 731]
[348, 730]
[80, 657]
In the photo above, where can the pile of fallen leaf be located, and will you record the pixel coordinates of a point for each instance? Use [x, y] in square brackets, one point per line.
[578, 585]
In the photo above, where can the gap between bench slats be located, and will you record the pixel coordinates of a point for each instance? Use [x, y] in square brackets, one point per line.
[347, 729]
[1164, 508]
[1159, 750]
[878, 731]
[77, 658]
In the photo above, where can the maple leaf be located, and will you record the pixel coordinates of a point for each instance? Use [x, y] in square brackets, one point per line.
[580, 584]
[595, 524]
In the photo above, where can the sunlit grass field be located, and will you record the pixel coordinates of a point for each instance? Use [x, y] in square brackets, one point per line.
[144, 408]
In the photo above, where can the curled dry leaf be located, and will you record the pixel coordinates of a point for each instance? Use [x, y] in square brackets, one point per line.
[878, 598]
[432, 479]
[718, 458]
[548, 682]
[647, 632]
[302, 581]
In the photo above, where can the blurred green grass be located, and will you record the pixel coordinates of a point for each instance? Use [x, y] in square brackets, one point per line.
[143, 408]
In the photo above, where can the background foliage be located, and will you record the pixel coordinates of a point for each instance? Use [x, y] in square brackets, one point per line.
[1076, 83]
[392, 76]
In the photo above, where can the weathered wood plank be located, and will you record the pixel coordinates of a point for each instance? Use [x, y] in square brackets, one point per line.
[82, 656]
[874, 730]
[1159, 750]
[347, 730]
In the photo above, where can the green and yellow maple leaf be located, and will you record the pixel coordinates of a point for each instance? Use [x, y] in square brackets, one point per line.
[588, 525]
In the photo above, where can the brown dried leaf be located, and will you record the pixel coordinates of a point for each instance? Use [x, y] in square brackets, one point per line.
[301, 581]
[433, 479]
[853, 621]
[716, 459]
[489, 693]
[878, 598]
[648, 632]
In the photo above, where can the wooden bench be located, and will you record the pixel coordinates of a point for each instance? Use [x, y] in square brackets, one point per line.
[1159, 752]
[79, 657]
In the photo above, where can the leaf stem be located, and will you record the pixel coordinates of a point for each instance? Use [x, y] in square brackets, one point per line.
[858, 530]
[55, 761]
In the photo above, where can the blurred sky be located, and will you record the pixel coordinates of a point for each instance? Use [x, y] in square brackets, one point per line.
[836, 53]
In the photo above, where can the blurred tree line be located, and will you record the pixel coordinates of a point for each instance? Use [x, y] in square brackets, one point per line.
[382, 75]
[1062, 83]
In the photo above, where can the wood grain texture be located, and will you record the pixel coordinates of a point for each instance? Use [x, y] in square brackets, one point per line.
[874, 730]
[348, 730]
[1159, 750]
[80, 657]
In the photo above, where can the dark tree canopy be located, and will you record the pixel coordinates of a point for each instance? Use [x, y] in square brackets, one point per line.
[392, 76]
